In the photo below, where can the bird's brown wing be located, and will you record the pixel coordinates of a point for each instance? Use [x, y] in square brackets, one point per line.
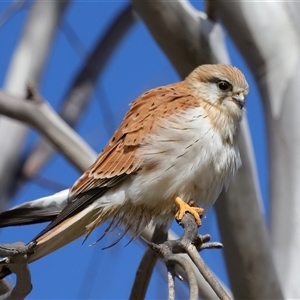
[119, 159]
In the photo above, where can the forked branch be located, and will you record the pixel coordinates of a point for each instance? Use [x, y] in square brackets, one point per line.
[15, 259]
[190, 243]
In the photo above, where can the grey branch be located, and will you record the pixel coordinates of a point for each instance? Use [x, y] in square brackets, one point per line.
[211, 9]
[171, 285]
[143, 275]
[146, 266]
[15, 259]
[41, 116]
[276, 60]
[177, 25]
[169, 250]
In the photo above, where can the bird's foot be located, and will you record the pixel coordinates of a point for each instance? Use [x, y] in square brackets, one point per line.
[189, 207]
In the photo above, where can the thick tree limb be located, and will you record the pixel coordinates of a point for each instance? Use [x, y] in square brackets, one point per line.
[177, 25]
[276, 60]
[211, 9]
[238, 223]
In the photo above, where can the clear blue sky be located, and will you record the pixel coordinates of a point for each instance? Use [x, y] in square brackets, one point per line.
[138, 64]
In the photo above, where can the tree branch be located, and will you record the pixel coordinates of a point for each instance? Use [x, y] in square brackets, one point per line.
[177, 25]
[15, 259]
[185, 244]
[275, 60]
[146, 266]
[41, 116]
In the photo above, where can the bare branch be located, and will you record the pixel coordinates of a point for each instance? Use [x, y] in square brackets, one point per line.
[143, 275]
[177, 25]
[205, 291]
[4, 287]
[16, 261]
[171, 285]
[198, 261]
[40, 115]
[238, 224]
[276, 60]
[191, 277]
[169, 249]
[146, 266]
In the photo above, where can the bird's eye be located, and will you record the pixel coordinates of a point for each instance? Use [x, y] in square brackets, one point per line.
[224, 86]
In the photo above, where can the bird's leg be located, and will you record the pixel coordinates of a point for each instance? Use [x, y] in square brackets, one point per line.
[191, 208]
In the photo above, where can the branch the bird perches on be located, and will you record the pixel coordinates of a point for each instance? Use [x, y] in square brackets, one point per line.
[15, 257]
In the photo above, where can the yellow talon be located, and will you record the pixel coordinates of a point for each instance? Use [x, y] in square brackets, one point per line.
[185, 207]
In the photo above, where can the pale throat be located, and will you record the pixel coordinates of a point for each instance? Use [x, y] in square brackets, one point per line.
[222, 121]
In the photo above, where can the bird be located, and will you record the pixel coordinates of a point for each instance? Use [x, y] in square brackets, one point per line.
[176, 144]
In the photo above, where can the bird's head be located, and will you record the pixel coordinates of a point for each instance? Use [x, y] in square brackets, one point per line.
[222, 86]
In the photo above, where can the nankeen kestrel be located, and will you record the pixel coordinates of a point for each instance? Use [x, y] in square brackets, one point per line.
[177, 143]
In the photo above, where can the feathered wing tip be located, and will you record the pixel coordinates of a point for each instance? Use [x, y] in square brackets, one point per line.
[72, 228]
[68, 231]
[85, 221]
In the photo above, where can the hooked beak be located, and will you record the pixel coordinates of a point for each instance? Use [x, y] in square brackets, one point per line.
[239, 99]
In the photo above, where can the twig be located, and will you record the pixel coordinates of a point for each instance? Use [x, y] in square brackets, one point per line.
[15, 259]
[185, 244]
[171, 284]
[173, 260]
[205, 290]
[146, 266]
[198, 261]
[143, 275]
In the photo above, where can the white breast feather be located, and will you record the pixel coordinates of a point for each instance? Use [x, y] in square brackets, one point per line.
[186, 157]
